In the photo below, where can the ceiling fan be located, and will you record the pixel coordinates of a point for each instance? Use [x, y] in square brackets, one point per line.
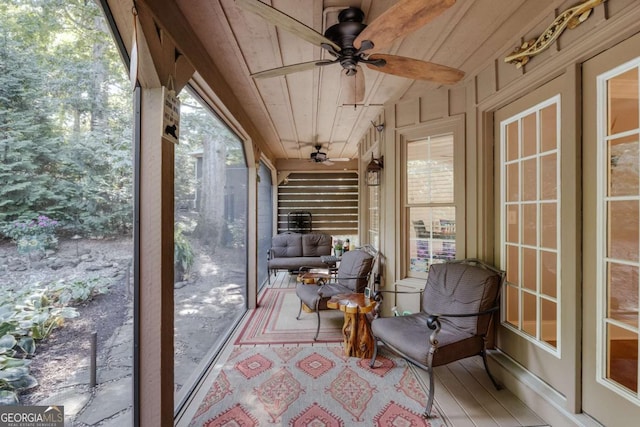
[350, 42]
[321, 157]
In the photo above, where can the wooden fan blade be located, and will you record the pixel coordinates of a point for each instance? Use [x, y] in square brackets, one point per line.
[402, 18]
[288, 69]
[285, 22]
[416, 69]
[352, 87]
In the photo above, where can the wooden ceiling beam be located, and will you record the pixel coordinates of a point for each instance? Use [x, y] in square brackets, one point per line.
[159, 57]
[168, 16]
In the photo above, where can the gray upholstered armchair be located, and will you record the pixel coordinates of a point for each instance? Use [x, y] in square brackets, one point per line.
[352, 276]
[458, 305]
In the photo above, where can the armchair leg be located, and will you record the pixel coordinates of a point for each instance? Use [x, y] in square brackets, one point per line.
[427, 411]
[317, 308]
[375, 354]
[299, 311]
[486, 368]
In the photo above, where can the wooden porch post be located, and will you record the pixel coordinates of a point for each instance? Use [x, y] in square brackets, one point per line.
[156, 383]
[159, 63]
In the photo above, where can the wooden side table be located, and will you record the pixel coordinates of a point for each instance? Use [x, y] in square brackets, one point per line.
[356, 330]
[313, 278]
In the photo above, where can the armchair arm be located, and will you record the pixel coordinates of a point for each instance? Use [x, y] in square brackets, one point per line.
[433, 323]
[331, 288]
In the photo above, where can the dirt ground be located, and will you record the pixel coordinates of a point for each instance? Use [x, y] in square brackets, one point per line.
[207, 305]
[69, 346]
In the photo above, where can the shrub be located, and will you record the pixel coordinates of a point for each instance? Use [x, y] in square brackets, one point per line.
[183, 255]
[29, 313]
[33, 235]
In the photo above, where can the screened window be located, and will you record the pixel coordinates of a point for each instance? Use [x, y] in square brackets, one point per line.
[265, 220]
[430, 203]
[210, 240]
[530, 163]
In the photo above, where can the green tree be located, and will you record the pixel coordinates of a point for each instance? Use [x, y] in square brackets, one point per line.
[66, 117]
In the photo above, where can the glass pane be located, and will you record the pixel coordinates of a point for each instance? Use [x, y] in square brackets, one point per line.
[548, 273]
[623, 230]
[623, 166]
[529, 180]
[623, 102]
[622, 360]
[529, 313]
[430, 170]
[549, 322]
[210, 239]
[513, 271]
[512, 141]
[548, 223]
[530, 224]
[513, 310]
[622, 295]
[529, 269]
[548, 177]
[513, 224]
[265, 219]
[513, 187]
[529, 135]
[549, 128]
[431, 237]
[374, 216]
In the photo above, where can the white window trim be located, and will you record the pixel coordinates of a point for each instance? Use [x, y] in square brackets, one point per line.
[601, 238]
[452, 124]
[537, 341]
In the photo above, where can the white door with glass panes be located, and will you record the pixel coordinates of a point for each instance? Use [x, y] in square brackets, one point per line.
[611, 236]
[534, 189]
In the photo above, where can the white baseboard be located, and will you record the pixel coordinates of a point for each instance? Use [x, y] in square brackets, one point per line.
[535, 393]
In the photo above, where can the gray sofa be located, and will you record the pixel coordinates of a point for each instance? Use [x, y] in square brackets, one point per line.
[290, 251]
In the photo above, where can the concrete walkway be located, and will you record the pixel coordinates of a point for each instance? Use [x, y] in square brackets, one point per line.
[109, 403]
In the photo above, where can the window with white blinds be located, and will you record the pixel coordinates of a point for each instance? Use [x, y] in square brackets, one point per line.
[430, 203]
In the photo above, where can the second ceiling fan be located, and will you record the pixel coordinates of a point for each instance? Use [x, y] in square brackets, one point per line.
[350, 42]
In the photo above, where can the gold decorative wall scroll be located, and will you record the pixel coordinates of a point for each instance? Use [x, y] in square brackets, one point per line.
[570, 18]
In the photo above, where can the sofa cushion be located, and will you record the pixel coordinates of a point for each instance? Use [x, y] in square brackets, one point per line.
[294, 263]
[316, 244]
[286, 245]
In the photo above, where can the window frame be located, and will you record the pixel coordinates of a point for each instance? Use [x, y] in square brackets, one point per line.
[454, 125]
[603, 320]
[537, 339]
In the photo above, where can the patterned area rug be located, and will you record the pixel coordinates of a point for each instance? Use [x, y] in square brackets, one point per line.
[313, 386]
[274, 321]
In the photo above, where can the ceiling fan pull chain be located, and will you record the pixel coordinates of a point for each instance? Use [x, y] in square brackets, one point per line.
[355, 93]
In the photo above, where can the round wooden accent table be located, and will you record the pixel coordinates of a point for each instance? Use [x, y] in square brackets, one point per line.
[358, 340]
[313, 278]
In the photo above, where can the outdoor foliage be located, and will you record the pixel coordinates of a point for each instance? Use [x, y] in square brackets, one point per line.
[35, 235]
[29, 313]
[183, 254]
[65, 118]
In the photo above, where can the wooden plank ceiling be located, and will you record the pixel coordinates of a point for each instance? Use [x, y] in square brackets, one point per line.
[292, 113]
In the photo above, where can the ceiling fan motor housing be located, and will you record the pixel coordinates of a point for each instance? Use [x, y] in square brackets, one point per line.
[344, 33]
[318, 156]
